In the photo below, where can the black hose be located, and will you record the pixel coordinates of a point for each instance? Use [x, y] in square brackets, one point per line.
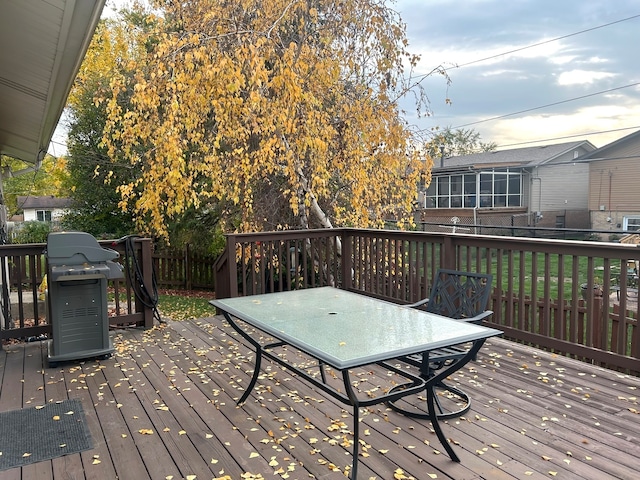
[136, 278]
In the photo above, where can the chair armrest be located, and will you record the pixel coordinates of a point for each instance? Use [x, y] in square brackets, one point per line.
[479, 318]
[419, 303]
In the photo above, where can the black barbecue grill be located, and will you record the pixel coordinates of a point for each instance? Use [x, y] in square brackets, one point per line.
[79, 269]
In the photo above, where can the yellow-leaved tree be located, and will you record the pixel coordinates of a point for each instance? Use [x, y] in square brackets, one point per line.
[244, 103]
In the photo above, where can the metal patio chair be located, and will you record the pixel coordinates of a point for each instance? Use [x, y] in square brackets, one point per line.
[463, 296]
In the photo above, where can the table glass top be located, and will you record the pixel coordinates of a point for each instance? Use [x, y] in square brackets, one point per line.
[347, 329]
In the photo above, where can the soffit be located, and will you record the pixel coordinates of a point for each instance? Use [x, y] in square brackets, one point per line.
[43, 44]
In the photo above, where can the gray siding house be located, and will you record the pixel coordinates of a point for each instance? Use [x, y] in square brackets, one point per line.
[614, 186]
[542, 186]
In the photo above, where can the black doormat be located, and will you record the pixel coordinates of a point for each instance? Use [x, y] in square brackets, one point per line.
[34, 434]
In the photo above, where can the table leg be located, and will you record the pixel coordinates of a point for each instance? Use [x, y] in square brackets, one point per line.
[356, 423]
[436, 425]
[434, 381]
[258, 363]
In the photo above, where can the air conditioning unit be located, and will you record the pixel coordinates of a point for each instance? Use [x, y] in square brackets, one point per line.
[602, 208]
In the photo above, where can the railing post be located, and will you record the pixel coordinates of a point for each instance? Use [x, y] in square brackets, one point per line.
[232, 266]
[6, 308]
[347, 260]
[448, 254]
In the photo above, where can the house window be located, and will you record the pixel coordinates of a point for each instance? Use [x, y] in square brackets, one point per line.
[496, 188]
[631, 223]
[43, 215]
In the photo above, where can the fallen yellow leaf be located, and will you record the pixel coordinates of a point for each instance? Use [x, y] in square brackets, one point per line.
[145, 431]
[56, 417]
[254, 455]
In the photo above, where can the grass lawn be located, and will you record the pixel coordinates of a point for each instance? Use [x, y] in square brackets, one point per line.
[185, 304]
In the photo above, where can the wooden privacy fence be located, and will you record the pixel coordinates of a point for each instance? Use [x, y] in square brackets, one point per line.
[184, 269]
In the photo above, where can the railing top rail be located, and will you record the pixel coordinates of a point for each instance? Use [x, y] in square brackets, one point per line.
[285, 234]
[22, 249]
[558, 246]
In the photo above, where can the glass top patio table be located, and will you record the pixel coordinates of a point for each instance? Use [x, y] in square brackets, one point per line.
[346, 329]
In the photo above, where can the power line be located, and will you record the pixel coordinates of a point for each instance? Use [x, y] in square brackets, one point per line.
[548, 105]
[547, 41]
[569, 136]
[420, 77]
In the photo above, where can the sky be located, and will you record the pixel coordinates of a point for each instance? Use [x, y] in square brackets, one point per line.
[552, 70]
[584, 71]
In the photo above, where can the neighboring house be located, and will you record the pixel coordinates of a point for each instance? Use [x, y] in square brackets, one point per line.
[614, 180]
[43, 209]
[542, 186]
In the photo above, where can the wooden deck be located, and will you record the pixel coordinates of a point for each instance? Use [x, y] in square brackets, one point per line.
[163, 408]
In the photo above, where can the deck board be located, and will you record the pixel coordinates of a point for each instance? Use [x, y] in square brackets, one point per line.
[534, 415]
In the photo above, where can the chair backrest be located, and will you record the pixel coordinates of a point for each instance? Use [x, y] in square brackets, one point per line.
[458, 294]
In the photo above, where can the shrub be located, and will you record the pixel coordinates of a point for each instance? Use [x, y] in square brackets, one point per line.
[32, 232]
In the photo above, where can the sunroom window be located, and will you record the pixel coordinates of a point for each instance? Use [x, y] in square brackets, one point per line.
[492, 189]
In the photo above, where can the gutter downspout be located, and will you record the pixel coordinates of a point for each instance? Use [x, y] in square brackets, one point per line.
[539, 194]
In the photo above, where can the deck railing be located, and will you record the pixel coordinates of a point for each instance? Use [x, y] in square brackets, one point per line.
[575, 298]
[23, 313]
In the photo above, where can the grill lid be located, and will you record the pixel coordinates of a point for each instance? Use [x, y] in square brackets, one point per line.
[76, 248]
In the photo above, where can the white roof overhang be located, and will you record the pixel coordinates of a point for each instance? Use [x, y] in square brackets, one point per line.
[42, 44]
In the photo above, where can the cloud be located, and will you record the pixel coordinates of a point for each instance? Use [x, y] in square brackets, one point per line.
[582, 77]
[494, 74]
[508, 132]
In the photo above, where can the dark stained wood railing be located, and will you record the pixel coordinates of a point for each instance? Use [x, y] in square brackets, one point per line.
[575, 298]
[23, 312]
[591, 314]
